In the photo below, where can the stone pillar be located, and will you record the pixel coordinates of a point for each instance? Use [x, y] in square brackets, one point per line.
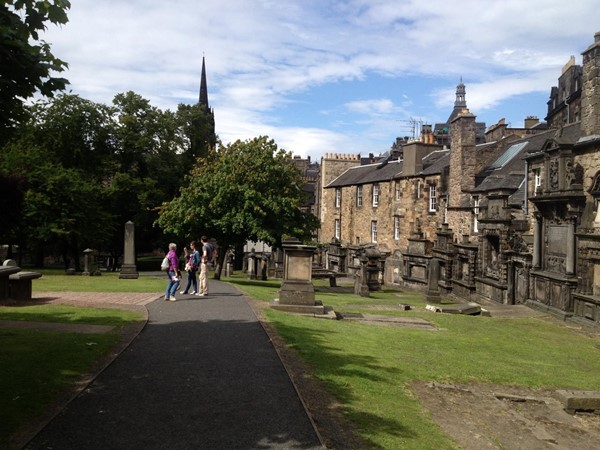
[510, 284]
[129, 269]
[297, 293]
[570, 264]
[252, 265]
[264, 266]
[537, 233]
[229, 265]
[86, 261]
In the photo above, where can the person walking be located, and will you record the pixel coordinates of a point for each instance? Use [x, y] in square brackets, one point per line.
[205, 260]
[193, 262]
[173, 273]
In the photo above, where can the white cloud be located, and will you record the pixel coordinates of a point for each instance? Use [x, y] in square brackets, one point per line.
[261, 53]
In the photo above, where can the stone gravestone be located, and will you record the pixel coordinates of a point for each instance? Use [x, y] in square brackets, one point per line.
[361, 286]
[129, 269]
[432, 295]
[297, 294]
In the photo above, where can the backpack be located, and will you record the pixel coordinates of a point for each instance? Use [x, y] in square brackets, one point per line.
[164, 266]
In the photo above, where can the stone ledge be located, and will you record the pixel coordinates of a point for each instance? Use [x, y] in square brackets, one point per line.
[579, 401]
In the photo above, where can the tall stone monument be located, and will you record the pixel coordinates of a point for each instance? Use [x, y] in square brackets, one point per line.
[129, 269]
[297, 294]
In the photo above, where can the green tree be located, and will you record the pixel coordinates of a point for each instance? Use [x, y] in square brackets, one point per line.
[248, 190]
[197, 126]
[76, 133]
[26, 62]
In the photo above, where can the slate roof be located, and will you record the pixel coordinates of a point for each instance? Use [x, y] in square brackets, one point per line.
[435, 162]
[510, 175]
[371, 173]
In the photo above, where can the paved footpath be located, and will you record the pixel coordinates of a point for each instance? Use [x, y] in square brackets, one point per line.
[202, 374]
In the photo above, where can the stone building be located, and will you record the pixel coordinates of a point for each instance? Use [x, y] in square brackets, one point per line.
[565, 173]
[512, 220]
[564, 105]
[383, 204]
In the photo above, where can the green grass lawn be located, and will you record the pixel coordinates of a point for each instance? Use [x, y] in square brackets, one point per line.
[369, 368]
[37, 367]
[55, 280]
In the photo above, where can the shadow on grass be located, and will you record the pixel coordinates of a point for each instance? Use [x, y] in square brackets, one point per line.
[331, 364]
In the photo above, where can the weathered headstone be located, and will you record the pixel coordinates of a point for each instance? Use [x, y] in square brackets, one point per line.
[361, 286]
[433, 289]
[129, 269]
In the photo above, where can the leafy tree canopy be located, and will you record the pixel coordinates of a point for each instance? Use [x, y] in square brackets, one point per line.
[247, 190]
[26, 62]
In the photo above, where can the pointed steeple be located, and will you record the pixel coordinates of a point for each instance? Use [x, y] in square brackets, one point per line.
[203, 100]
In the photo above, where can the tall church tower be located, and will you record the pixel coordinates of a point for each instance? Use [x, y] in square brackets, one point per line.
[203, 99]
[203, 136]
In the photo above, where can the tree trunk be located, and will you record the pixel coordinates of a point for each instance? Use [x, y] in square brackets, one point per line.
[220, 260]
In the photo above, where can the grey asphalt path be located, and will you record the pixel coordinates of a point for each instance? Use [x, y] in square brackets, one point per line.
[202, 374]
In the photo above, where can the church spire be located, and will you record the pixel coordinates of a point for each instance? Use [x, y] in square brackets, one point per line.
[203, 100]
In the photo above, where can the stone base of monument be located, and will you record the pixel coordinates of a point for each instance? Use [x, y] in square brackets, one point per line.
[129, 272]
[298, 297]
[580, 401]
[470, 309]
[316, 308]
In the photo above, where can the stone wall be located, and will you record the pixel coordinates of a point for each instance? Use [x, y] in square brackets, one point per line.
[590, 101]
[332, 166]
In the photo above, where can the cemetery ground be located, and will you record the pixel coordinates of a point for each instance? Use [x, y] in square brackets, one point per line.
[393, 378]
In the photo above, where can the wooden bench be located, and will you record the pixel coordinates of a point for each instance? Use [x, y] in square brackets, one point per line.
[19, 282]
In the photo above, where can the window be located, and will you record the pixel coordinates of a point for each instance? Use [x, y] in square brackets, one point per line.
[475, 214]
[338, 197]
[432, 198]
[359, 193]
[537, 183]
[374, 231]
[375, 195]
[398, 191]
[337, 229]
[418, 189]
[396, 228]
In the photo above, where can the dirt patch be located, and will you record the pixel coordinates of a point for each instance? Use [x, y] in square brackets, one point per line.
[506, 417]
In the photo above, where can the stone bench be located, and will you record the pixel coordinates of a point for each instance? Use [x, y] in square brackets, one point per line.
[20, 285]
[332, 276]
[17, 282]
[5, 273]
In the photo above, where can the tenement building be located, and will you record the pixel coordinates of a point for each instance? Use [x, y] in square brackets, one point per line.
[513, 218]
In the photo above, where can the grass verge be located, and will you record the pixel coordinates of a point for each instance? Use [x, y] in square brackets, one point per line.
[39, 367]
[369, 368]
[55, 280]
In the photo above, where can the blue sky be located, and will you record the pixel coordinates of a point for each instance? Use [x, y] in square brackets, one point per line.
[322, 76]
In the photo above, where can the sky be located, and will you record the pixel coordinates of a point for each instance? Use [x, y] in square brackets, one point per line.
[326, 76]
